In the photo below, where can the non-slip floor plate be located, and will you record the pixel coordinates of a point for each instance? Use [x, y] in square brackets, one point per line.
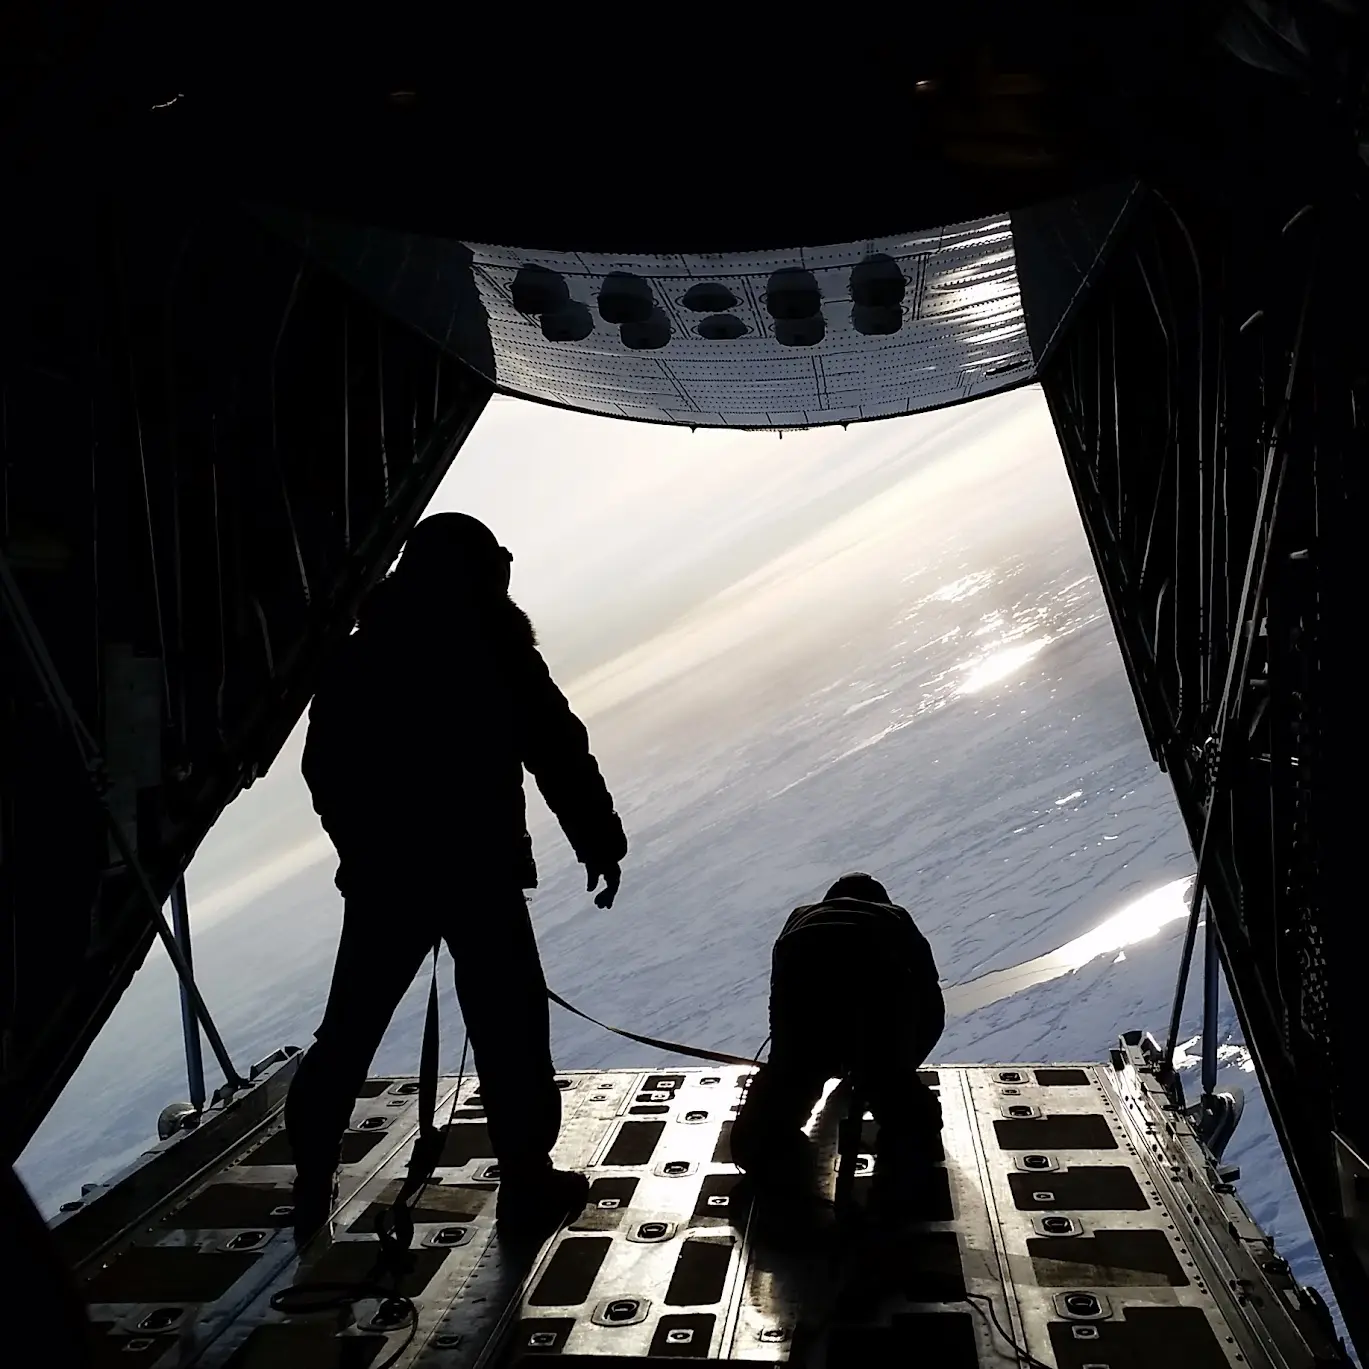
[1046, 1216]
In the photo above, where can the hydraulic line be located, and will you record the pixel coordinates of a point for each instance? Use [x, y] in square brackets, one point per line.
[190, 1028]
[1211, 981]
[1252, 596]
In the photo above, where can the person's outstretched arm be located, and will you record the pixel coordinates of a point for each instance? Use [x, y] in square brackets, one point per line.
[557, 755]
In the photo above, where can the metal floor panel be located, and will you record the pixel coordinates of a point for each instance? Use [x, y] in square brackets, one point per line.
[1058, 1214]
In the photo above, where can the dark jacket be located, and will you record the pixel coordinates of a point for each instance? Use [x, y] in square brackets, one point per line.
[858, 956]
[418, 737]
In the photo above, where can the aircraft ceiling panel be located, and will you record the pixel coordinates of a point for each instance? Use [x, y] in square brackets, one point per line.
[831, 334]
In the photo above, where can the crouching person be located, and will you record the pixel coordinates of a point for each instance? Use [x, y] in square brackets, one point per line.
[854, 996]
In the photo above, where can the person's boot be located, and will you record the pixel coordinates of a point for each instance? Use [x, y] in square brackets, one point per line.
[535, 1202]
[768, 1132]
[315, 1196]
[781, 1186]
[785, 1199]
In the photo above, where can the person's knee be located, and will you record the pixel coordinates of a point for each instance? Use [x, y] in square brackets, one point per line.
[344, 1046]
[900, 1103]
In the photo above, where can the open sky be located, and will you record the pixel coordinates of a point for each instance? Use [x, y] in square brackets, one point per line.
[641, 552]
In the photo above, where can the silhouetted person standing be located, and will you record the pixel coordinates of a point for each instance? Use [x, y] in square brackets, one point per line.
[854, 995]
[418, 737]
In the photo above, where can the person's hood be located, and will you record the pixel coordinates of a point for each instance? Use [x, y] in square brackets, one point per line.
[398, 606]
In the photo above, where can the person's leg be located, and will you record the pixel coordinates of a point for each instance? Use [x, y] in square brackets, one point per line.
[907, 1112]
[380, 950]
[779, 1101]
[783, 1093]
[503, 996]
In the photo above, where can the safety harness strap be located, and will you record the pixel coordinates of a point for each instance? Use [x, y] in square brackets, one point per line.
[396, 1225]
[674, 1047]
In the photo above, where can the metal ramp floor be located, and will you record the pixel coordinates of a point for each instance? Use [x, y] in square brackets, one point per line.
[1073, 1207]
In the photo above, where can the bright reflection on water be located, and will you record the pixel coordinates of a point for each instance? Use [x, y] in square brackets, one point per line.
[964, 587]
[968, 630]
[1138, 921]
[998, 665]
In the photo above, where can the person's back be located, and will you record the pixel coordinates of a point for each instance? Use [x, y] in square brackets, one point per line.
[854, 994]
[418, 737]
[420, 731]
[855, 971]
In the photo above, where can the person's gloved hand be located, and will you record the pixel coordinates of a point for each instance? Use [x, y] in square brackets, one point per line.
[612, 875]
